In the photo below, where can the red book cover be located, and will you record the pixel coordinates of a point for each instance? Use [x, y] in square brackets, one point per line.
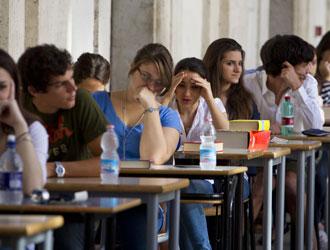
[259, 139]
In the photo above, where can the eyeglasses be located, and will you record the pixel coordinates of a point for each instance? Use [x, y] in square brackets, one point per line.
[146, 77]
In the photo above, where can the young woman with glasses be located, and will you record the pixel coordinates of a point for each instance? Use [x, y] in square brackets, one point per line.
[145, 129]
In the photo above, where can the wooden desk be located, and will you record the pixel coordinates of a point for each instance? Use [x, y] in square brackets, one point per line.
[266, 159]
[197, 173]
[152, 191]
[104, 208]
[226, 154]
[182, 172]
[304, 149]
[17, 231]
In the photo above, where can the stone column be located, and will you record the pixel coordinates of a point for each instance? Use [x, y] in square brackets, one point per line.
[102, 28]
[12, 27]
[131, 28]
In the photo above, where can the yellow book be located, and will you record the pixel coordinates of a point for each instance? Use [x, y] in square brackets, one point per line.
[248, 125]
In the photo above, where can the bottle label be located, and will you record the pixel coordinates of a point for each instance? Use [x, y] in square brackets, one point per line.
[109, 166]
[208, 155]
[287, 120]
[11, 181]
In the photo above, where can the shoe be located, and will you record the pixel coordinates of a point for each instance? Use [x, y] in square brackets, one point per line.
[323, 240]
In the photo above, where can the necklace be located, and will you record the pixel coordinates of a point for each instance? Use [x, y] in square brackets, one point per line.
[125, 136]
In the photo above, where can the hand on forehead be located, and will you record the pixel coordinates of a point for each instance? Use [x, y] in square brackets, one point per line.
[190, 76]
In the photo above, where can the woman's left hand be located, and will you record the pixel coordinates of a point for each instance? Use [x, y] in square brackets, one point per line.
[206, 91]
[146, 97]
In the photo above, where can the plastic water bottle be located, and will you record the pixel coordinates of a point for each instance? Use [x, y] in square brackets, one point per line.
[109, 156]
[207, 150]
[11, 177]
[287, 116]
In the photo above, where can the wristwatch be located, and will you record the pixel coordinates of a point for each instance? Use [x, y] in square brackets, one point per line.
[59, 169]
[151, 109]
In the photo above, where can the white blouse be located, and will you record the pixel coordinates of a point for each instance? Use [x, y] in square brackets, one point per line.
[39, 138]
[202, 115]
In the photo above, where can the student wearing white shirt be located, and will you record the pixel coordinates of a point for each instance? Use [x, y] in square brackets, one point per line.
[286, 64]
[191, 95]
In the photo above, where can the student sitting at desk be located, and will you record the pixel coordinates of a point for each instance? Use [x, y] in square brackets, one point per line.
[72, 119]
[286, 63]
[224, 60]
[195, 103]
[146, 130]
[31, 136]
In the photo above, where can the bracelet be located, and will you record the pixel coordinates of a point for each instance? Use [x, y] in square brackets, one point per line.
[25, 136]
[150, 110]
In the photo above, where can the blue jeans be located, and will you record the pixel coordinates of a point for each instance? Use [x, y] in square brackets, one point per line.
[131, 231]
[193, 227]
[132, 226]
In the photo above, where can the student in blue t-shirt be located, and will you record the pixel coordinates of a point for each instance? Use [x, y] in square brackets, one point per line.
[145, 129]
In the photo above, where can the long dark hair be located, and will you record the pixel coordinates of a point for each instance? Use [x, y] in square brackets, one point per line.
[8, 64]
[239, 101]
[90, 65]
[322, 47]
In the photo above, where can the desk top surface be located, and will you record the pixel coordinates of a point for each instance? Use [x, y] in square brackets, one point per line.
[28, 225]
[169, 170]
[275, 152]
[226, 154]
[94, 205]
[299, 145]
[323, 139]
[123, 185]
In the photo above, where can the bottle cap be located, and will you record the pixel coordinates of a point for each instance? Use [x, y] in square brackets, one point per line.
[11, 141]
[110, 126]
[287, 97]
[11, 138]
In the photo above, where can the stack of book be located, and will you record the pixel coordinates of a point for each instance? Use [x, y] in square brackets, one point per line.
[246, 134]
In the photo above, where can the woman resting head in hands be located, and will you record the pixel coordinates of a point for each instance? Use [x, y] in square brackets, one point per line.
[31, 136]
[194, 99]
[146, 130]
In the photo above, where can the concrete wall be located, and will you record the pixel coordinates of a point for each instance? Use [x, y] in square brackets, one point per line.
[131, 28]
[69, 24]
[280, 17]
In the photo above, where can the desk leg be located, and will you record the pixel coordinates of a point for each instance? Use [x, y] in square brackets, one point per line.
[238, 229]
[300, 200]
[280, 185]
[89, 232]
[225, 239]
[267, 216]
[152, 211]
[48, 244]
[174, 221]
[110, 242]
[310, 200]
[327, 213]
